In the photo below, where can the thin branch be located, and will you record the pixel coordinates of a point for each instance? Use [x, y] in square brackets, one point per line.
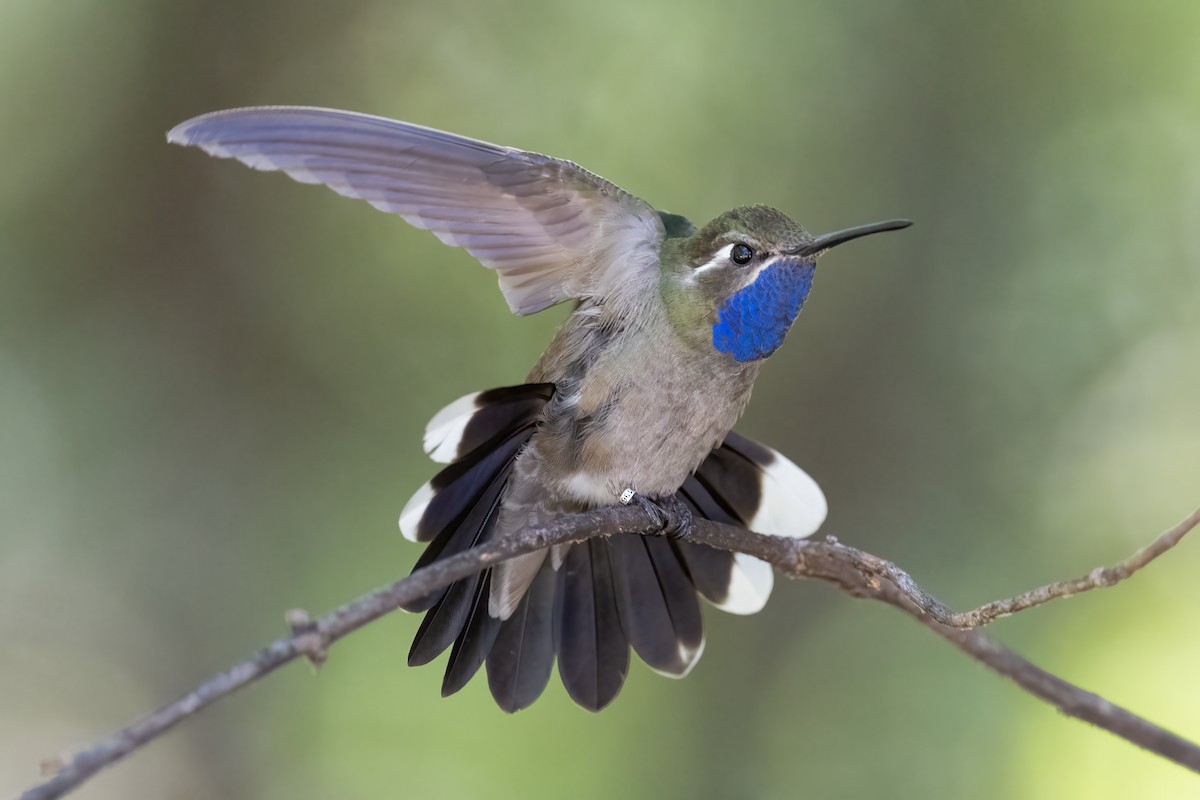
[861, 574]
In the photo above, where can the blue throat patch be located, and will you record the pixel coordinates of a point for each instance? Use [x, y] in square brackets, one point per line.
[753, 323]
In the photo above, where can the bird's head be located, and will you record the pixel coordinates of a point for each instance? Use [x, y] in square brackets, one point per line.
[746, 275]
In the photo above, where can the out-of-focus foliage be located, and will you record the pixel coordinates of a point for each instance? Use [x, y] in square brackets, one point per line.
[213, 382]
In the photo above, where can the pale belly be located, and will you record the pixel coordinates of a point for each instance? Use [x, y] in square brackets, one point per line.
[645, 426]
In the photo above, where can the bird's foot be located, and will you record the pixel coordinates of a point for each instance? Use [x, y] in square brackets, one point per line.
[673, 516]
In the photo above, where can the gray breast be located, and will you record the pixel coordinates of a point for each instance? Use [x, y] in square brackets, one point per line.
[638, 409]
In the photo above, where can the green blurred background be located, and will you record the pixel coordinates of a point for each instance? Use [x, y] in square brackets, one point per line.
[213, 383]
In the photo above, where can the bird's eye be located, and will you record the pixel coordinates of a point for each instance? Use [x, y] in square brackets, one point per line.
[741, 254]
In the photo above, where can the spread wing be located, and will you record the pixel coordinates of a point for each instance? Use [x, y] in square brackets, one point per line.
[550, 228]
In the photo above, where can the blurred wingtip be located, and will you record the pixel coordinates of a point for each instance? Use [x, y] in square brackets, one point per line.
[184, 134]
[178, 134]
[192, 132]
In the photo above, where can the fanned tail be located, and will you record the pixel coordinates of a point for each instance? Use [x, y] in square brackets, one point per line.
[607, 596]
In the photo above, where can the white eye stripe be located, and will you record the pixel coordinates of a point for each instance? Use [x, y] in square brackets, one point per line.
[720, 258]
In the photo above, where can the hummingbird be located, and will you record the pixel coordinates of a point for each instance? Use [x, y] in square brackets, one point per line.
[634, 400]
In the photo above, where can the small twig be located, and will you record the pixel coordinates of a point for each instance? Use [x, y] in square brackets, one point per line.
[1099, 578]
[861, 574]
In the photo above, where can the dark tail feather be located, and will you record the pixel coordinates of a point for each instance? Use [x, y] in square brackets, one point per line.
[522, 657]
[711, 569]
[473, 644]
[449, 616]
[593, 653]
[502, 411]
[732, 480]
[470, 525]
[658, 604]
[456, 489]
